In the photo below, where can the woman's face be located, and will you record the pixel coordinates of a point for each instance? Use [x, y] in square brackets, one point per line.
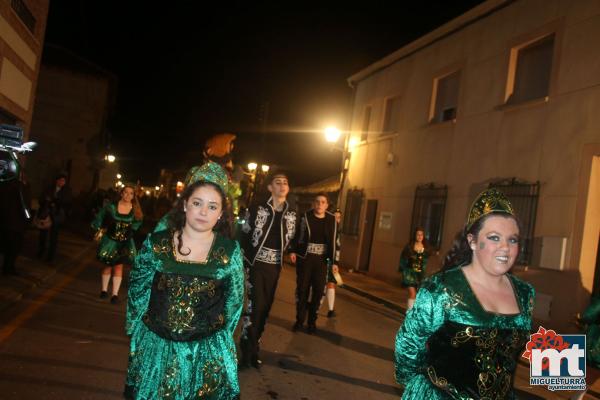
[497, 245]
[419, 236]
[127, 194]
[203, 209]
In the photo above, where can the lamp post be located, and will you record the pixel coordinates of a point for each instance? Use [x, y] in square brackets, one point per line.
[256, 175]
[332, 135]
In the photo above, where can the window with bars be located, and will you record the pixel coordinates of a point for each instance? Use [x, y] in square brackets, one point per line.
[25, 15]
[524, 198]
[351, 223]
[428, 212]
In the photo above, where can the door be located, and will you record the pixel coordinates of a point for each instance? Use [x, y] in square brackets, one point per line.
[367, 241]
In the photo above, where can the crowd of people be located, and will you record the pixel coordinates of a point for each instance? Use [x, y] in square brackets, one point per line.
[196, 283]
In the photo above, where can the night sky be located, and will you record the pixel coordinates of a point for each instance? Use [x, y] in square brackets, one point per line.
[187, 70]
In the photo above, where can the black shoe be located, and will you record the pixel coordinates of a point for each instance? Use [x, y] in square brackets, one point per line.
[114, 299]
[103, 294]
[312, 329]
[256, 362]
[297, 327]
[330, 314]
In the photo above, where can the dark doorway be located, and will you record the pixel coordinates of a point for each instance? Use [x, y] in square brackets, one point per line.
[367, 241]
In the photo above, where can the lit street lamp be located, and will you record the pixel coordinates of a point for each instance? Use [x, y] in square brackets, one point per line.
[110, 158]
[119, 176]
[252, 166]
[265, 168]
[332, 134]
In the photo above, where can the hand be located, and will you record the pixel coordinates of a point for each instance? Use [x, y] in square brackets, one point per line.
[293, 258]
[335, 268]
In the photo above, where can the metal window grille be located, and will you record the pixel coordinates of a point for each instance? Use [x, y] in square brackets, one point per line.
[24, 14]
[351, 221]
[428, 212]
[524, 198]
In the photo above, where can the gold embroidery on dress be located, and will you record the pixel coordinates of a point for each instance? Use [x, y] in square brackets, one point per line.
[220, 255]
[212, 376]
[163, 247]
[168, 388]
[453, 299]
[184, 298]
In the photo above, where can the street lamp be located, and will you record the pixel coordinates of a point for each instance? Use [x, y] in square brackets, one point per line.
[332, 134]
[119, 176]
[110, 158]
[252, 166]
[265, 168]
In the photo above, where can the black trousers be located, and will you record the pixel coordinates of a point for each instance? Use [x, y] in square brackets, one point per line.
[44, 233]
[311, 276]
[11, 243]
[263, 280]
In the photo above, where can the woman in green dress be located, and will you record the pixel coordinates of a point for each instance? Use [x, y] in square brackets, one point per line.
[117, 221]
[413, 261]
[185, 298]
[470, 321]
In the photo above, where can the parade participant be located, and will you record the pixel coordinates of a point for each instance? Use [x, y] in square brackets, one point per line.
[55, 202]
[413, 261]
[185, 298]
[313, 245]
[117, 222]
[266, 234]
[331, 280]
[470, 321]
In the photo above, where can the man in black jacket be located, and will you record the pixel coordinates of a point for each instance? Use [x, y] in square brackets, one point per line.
[313, 245]
[56, 202]
[266, 234]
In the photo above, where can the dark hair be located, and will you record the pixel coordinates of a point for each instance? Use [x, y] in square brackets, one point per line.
[461, 252]
[322, 194]
[413, 239]
[61, 175]
[177, 216]
[277, 174]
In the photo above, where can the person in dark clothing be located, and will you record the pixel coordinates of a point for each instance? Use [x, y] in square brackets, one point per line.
[55, 201]
[14, 194]
[313, 245]
[266, 233]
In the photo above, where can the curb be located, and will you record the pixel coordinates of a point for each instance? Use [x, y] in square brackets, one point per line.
[389, 304]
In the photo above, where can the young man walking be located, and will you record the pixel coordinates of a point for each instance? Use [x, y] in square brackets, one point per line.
[266, 234]
[313, 245]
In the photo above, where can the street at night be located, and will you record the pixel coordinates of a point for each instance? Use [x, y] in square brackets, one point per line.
[307, 201]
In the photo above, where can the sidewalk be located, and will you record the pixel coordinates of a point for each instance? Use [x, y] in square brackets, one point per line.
[34, 271]
[394, 297]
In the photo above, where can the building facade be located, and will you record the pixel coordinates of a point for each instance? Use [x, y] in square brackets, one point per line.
[22, 30]
[74, 100]
[504, 95]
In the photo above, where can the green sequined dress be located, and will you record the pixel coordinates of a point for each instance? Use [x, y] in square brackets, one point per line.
[181, 317]
[117, 245]
[449, 347]
[412, 266]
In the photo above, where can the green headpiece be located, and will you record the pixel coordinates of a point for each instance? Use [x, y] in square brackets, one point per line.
[210, 172]
[489, 201]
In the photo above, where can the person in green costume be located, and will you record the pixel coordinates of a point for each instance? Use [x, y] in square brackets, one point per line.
[186, 294]
[117, 221]
[413, 261]
[471, 321]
